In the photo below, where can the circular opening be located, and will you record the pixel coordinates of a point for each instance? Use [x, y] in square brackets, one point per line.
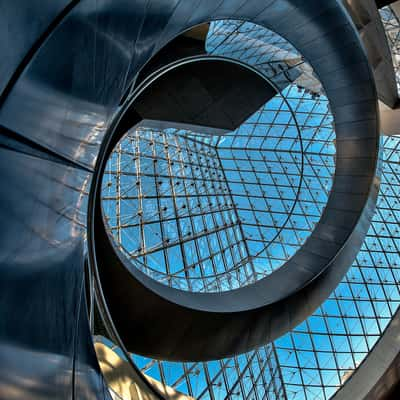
[204, 199]
[256, 313]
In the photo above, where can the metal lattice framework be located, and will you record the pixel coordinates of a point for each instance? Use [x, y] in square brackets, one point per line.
[392, 28]
[320, 354]
[317, 357]
[206, 216]
[227, 210]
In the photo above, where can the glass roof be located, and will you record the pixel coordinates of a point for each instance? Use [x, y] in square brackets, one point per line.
[317, 357]
[212, 213]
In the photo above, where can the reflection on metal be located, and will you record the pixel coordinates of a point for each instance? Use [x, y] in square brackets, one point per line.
[325, 256]
[265, 50]
[123, 384]
[322, 353]
[63, 101]
[193, 92]
[372, 33]
[41, 298]
[13, 141]
[200, 213]
[389, 120]
[381, 368]
[390, 117]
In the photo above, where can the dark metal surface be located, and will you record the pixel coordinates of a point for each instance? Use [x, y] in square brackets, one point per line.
[216, 325]
[42, 318]
[64, 82]
[372, 33]
[383, 3]
[195, 93]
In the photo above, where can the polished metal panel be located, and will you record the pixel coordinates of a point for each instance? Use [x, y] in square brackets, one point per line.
[381, 367]
[63, 98]
[204, 99]
[368, 21]
[42, 328]
[383, 3]
[20, 38]
[216, 325]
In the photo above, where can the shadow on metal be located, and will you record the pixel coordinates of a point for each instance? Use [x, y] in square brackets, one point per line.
[62, 81]
[217, 325]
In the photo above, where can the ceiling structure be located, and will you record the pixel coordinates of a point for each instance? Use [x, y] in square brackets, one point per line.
[197, 189]
[320, 355]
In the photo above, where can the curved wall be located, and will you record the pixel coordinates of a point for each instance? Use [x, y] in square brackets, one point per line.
[63, 77]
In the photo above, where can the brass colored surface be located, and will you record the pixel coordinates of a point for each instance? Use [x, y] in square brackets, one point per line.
[125, 382]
